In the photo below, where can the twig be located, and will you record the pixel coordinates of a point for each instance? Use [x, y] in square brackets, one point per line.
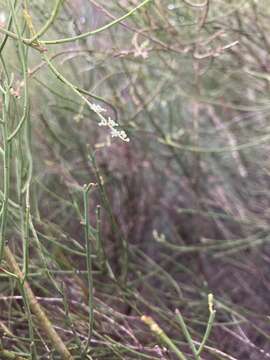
[44, 323]
[154, 327]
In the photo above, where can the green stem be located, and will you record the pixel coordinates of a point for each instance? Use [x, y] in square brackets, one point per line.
[26, 226]
[7, 153]
[23, 59]
[100, 246]
[154, 327]
[210, 322]
[88, 246]
[187, 334]
[3, 43]
[30, 42]
[36, 309]
[97, 31]
[50, 21]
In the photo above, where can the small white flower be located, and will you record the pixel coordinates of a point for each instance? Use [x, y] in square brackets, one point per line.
[97, 108]
[103, 122]
[112, 124]
[114, 132]
[122, 134]
[171, 7]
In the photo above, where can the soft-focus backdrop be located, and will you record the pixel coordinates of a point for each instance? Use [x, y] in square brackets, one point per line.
[164, 113]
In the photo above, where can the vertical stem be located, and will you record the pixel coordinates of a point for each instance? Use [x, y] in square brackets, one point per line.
[115, 227]
[187, 334]
[100, 246]
[30, 321]
[26, 190]
[7, 150]
[212, 314]
[26, 234]
[89, 264]
[23, 59]
[23, 55]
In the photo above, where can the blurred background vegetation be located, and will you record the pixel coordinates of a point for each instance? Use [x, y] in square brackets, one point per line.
[176, 213]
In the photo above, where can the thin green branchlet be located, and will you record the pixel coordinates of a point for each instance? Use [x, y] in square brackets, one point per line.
[38, 44]
[96, 108]
[88, 249]
[155, 328]
[6, 167]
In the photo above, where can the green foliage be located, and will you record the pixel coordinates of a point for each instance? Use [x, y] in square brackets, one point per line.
[134, 177]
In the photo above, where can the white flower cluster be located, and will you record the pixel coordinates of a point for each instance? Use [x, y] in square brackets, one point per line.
[112, 125]
[97, 108]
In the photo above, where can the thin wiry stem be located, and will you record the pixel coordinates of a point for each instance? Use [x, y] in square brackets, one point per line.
[97, 31]
[72, 38]
[7, 154]
[212, 314]
[88, 246]
[43, 30]
[35, 307]
[187, 334]
[154, 327]
[23, 59]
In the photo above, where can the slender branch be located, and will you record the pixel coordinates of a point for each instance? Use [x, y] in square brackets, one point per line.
[187, 334]
[6, 177]
[50, 21]
[212, 314]
[88, 246]
[37, 44]
[36, 308]
[154, 327]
